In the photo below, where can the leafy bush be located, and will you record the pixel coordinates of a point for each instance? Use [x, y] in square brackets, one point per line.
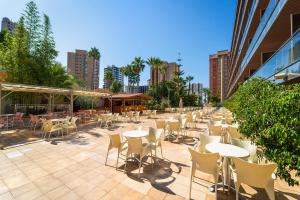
[164, 103]
[268, 114]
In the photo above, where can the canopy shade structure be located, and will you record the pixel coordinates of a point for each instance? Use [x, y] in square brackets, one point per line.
[70, 93]
[126, 102]
[137, 96]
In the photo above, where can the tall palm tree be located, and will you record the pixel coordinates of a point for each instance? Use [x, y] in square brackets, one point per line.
[206, 93]
[137, 66]
[189, 79]
[163, 70]
[108, 77]
[127, 72]
[154, 63]
[95, 54]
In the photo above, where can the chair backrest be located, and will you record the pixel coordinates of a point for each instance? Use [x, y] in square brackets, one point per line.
[183, 122]
[137, 113]
[206, 139]
[234, 132]
[160, 124]
[68, 118]
[154, 134]
[263, 172]
[205, 162]
[74, 120]
[229, 120]
[135, 145]
[139, 128]
[18, 115]
[114, 140]
[174, 126]
[246, 144]
[154, 112]
[215, 130]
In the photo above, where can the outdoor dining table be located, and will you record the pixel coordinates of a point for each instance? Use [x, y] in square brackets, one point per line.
[227, 151]
[135, 134]
[171, 120]
[58, 120]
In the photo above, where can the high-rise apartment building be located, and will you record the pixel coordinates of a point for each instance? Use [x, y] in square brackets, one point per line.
[196, 88]
[117, 75]
[8, 25]
[265, 42]
[84, 67]
[219, 73]
[156, 76]
[137, 89]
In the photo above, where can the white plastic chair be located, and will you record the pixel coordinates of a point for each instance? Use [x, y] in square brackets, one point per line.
[115, 141]
[207, 163]
[206, 139]
[154, 140]
[260, 176]
[137, 147]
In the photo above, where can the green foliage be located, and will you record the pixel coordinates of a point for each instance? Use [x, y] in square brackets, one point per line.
[268, 114]
[94, 53]
[28, 56]
[116, 86]
[189, 79]
[215, 100]
[108, 76]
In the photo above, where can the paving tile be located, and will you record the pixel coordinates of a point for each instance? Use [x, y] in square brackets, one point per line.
[83, 188]
[58, 192]
[47, 183]
[6, 196]
[95, 194]
[69, 196]
[14, 154]
[16, 181]
[3, 187]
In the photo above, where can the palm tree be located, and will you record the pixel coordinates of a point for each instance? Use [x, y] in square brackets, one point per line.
[108, 77]
[206, 93]
[189, 79]
[127, 72]
[116, 86]
[154, 63]
[163, 70]
[137, 66]
[95, 54]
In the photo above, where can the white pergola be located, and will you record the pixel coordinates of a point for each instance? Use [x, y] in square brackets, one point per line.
[72, 94]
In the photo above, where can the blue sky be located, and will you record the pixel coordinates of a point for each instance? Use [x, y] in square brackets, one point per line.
[123, 29]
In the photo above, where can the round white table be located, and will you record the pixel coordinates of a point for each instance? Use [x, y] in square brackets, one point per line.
[135, 134]
[59, 120]
[171, 120]
[227, 151]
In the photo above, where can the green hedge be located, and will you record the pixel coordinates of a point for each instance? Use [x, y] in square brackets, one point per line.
[269, 115]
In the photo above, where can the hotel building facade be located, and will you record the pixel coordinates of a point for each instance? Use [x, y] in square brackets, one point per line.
[219, 73]
[157, 76]
[265, 42]
[84, 67]
[117, 75]
[7, 24]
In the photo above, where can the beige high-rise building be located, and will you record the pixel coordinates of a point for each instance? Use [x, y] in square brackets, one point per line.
[84, 67]
[157, 76]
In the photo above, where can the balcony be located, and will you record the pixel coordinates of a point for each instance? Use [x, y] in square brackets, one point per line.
[273, 10]
[284, 64]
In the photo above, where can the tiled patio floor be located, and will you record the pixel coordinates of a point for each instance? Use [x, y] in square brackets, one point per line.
[74, 169]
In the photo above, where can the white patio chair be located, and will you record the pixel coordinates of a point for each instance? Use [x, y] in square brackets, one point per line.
[206, 163]
[260, 176]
